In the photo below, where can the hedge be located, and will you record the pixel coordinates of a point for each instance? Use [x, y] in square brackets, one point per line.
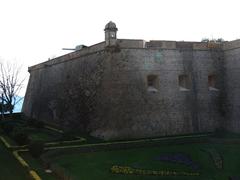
[32, 173]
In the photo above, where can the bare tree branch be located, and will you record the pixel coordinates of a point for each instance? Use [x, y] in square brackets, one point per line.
[10, 85]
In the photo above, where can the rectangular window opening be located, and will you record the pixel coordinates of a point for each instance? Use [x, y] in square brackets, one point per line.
[152, 83]
[212, 82]
[184, 82]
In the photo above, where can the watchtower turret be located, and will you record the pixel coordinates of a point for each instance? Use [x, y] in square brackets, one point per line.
[110, 34]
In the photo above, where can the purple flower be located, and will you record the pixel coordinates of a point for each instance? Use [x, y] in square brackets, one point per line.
[178, 158]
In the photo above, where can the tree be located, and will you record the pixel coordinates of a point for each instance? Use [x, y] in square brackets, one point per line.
[10, 86]
[5, 107]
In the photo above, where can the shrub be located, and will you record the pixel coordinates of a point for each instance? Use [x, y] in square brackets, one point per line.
[31, 121]
[36, 148]
[67, 135]
[36, 123]
[39, 124]
[20, 135]
[8, 127]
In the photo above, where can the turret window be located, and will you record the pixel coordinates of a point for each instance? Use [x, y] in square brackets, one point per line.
[113, 35]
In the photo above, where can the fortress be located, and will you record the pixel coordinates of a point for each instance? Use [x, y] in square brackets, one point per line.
[124, 88]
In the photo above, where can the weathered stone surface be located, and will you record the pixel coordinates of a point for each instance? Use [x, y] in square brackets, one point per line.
[232, 83]
[104, 91]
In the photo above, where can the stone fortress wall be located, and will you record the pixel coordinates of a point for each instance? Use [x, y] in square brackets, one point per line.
[232, 84]
[136, 89]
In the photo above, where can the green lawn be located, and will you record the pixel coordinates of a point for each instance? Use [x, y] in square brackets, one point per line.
[10, 168]
[96, 165]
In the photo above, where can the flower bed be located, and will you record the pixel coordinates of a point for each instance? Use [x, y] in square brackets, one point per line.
[178, 158]
[216, 157]
[128, 170]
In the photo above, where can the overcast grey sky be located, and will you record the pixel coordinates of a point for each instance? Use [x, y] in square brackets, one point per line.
[32, 31]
